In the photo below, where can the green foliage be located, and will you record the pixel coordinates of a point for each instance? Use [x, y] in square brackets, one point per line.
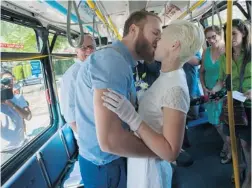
[61, 66]
[13, 33]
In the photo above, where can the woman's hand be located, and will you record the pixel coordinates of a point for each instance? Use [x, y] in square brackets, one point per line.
[248, 94]
[207, 91]
[118, 104]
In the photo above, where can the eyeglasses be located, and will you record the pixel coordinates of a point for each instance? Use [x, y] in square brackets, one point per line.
[212, 37]
[90, 47]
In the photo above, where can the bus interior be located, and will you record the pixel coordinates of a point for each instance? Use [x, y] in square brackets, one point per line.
[36, 49]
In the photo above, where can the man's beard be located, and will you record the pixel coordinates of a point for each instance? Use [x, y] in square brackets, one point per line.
[144, 48]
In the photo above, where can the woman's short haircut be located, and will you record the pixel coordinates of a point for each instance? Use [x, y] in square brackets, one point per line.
[191, 38]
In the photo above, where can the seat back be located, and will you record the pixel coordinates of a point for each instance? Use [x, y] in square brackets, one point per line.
[30, 175]
[70, 141]
[54, 158]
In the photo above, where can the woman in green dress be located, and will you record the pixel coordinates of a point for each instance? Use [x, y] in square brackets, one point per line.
[209, 73]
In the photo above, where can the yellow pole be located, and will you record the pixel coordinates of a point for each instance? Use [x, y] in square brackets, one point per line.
[229, 92]
[195, 5]
[109, 23]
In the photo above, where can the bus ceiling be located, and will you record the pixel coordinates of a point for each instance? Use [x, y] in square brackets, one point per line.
[110, 21]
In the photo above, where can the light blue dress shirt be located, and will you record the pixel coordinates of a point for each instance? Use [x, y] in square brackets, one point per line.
[106, 68]
[67, 91]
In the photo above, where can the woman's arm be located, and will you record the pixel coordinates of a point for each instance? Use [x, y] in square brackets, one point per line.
[167, 145]
[221, 80]
[175, 105]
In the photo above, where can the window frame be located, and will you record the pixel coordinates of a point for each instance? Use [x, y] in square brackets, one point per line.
[12, 165]
[222, 6]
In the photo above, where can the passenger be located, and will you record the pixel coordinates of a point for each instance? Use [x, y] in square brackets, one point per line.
[164, 117]
[102, 138]
[14, 110]
[68, 82]
[191, 71]
[209, 72]
[241, 45]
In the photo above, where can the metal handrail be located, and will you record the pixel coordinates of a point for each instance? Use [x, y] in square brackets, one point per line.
[229, 93]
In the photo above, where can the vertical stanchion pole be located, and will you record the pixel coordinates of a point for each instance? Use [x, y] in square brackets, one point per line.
[229, 92]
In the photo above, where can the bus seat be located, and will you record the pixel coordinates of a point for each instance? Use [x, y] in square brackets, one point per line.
[69, 140]
[202, 120]
[54, 158]
[29, 175]
[73, 177]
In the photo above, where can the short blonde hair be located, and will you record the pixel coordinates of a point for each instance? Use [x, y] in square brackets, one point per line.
[191, 38]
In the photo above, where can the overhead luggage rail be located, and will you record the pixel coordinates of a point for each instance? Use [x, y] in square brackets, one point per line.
[93, 6]
[196, 5]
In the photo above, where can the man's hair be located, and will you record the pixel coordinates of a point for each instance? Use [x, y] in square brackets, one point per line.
[191, 38]
[138, 18]
[87, 35]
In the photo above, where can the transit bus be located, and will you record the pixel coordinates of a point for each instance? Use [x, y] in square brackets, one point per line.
[36, 50]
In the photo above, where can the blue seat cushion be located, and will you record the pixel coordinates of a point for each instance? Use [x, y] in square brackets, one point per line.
[29, 175]
[70, 140]
[202, 120]
[54, 157]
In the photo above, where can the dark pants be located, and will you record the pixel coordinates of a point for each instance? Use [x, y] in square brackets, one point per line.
[112, 175]
[242, 132]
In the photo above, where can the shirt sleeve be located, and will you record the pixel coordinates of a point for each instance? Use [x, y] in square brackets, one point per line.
[222, 60]
[68, 98]
[109, 69]
[198, 55]
[177, 98]
[21, 102]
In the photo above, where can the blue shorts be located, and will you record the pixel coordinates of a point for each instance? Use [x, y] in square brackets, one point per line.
[111, 175]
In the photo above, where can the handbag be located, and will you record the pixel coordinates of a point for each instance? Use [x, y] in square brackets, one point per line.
[240, 117]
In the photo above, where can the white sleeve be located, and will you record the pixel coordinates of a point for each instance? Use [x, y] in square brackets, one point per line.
[176, 98]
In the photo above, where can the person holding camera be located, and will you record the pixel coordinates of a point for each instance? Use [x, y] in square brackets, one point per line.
[14, 109]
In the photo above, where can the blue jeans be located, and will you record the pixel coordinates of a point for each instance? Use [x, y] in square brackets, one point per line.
[112, 175]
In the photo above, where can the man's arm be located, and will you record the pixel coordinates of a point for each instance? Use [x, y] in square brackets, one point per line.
[194, 61]
[25, 112]
[112, 138]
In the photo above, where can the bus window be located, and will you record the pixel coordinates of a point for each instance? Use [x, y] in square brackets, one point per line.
[17, 38]
[25, 112]
[223, 14]
[61, 45]
[61, 65]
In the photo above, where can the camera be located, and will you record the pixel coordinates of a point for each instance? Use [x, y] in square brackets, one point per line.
[6, 92]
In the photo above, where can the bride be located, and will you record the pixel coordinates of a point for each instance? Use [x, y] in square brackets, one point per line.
[162, 111]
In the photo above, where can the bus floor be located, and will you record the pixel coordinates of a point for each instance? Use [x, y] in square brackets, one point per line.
[206, 171]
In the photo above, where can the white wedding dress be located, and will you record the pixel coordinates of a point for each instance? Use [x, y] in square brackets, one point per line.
[169, 90]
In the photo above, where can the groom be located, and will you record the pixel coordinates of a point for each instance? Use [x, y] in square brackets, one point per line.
[102, 138]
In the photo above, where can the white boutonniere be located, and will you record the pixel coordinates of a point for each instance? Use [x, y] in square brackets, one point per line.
[141, 86]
